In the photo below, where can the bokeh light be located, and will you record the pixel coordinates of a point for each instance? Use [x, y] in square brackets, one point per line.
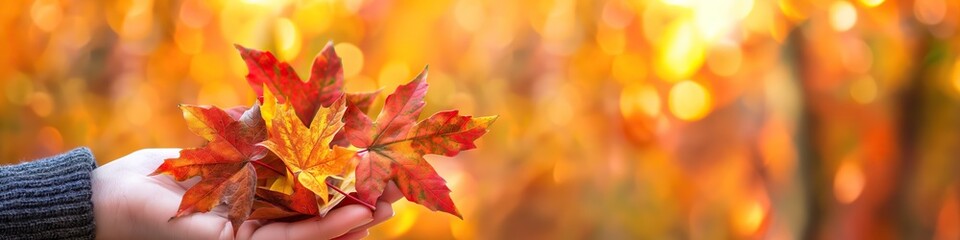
[871, 3]
[689, 100]
[842, 15]
[849, 182]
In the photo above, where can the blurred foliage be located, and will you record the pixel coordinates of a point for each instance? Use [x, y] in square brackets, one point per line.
[619, 119]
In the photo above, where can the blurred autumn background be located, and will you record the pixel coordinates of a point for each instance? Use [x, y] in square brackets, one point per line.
[619, 119]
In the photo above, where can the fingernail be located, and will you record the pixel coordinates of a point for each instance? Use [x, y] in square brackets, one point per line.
[368, 219]
[365, 221]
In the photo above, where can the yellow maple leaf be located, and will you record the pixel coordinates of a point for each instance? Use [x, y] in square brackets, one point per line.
[306, 150]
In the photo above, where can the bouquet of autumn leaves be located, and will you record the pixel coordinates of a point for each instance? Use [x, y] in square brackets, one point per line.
[299, 150]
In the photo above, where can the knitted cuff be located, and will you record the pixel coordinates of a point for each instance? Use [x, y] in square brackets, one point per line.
[48, 198]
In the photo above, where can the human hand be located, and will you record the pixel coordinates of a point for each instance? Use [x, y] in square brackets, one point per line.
[129, 204]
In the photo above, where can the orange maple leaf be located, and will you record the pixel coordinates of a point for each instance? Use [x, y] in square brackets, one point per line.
[306, 150]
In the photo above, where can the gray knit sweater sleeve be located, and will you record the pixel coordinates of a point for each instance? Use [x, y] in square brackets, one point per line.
[48, 198]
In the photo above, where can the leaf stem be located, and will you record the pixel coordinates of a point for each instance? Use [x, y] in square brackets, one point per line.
[267, 166]
[352, 197]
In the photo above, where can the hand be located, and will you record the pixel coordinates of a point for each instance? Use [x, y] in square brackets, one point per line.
[129, 204]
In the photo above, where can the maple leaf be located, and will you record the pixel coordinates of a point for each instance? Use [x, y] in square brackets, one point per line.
[269, 167]
[362, 100]
[395, 144]
[305, 150]
[276, 205]
[291, 200]
[324, 86]
[223, 164]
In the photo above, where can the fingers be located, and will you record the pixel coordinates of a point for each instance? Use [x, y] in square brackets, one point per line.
[336, 223]
[391, 193]
[246, 230]
[354, 235]
[383, 213]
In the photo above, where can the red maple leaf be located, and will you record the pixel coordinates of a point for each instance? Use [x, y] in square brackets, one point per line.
[395, 143]
[223, 164]
[323, 87]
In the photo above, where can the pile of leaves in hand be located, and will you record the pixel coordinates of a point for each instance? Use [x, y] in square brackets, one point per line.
[304, 145]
